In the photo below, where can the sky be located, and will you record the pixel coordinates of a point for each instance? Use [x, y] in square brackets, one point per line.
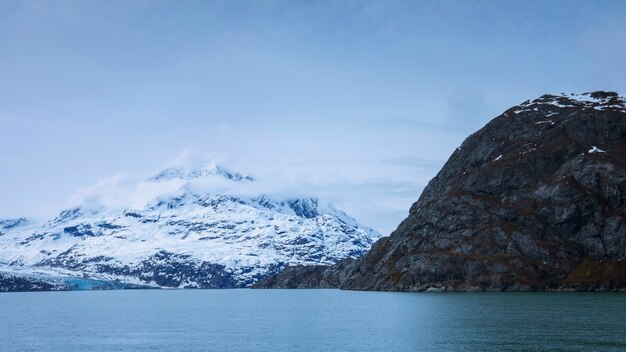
[357, 102]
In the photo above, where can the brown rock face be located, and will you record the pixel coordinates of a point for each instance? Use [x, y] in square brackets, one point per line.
[535, 200]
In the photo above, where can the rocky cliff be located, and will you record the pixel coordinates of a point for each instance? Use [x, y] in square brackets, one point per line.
[535, 200]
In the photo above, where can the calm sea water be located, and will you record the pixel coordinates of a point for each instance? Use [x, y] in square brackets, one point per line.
[310, 320]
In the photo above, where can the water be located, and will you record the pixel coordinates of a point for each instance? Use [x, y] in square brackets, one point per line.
[310, 320]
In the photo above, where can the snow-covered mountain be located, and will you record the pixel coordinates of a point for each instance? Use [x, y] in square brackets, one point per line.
[189, 236]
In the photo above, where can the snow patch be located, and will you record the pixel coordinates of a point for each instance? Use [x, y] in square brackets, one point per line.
[596, 101]
[595, 149]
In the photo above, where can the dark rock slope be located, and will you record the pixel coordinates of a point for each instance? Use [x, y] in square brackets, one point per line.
[535, 200]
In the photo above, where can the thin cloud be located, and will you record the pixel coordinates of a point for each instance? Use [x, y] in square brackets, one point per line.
[380, 202]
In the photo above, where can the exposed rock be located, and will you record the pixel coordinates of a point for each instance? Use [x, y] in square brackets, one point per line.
[303, 276]
[535, 200]
[14, 283]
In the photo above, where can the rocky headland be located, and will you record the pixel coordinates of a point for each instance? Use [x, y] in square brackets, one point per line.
[535, 200]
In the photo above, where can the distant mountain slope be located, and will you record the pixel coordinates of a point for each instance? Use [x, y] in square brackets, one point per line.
[534, 200]
[186, 237]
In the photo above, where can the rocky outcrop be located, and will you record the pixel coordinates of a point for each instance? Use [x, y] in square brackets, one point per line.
[311, 276]
[535, 200]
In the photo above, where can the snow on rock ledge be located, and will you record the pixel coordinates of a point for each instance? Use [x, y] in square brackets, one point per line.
[597, 100]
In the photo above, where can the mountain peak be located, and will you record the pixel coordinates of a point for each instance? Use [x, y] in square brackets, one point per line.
[208, 170]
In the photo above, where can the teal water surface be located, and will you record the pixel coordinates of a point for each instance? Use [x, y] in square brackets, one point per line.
[310, 320]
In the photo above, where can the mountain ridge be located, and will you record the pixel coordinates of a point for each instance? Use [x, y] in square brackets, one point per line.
[181, 237]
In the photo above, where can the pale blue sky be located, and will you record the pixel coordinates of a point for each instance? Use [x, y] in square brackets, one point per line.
[361, 100]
